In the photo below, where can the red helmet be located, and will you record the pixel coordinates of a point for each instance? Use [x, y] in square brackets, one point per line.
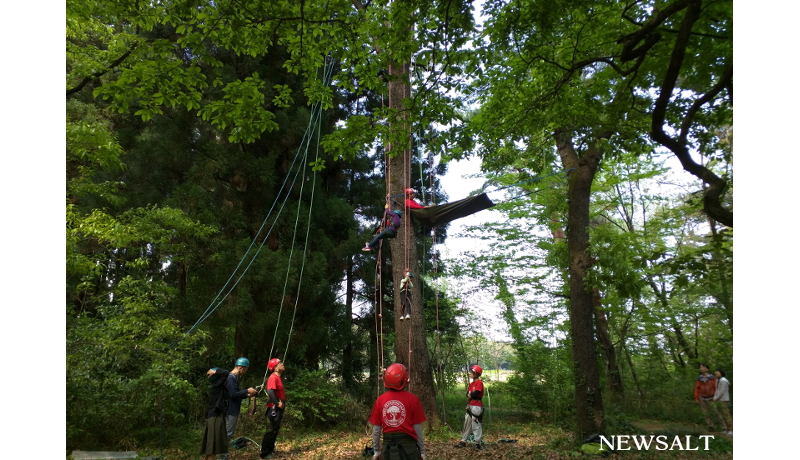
[477, 370]
[395, 377]
[272, 363]
[409, 191]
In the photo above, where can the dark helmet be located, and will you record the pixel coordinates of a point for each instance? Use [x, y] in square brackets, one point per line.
[214, 377]
[395, 377]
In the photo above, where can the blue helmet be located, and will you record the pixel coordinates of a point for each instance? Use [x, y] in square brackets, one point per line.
[243, 362]
[398, 212]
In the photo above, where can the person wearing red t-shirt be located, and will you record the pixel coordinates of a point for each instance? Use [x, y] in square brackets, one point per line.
[472, 420]
[411, 203]
[275, 407]
[399, 415]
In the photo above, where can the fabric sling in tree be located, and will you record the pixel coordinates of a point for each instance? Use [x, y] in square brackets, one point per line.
[441, 214]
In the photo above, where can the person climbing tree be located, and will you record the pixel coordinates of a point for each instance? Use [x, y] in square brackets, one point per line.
[405, 291]
[215, 437]
[392, 219]
[472, 420]
[399, 415]
[275, 407]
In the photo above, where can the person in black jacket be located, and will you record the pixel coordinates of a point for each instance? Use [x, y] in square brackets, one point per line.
[215, 436]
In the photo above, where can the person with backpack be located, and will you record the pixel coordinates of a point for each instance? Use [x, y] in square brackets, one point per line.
[474, 415]
[393, 225]
[704, 388]
[399, 415]
[275, 407]
[215, 436]
[235, 396]
[722, 400]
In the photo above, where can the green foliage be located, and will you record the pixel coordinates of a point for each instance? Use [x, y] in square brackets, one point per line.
[316, 399]
[543, 380]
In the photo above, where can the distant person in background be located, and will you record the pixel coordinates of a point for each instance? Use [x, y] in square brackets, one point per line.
[399, 415]
[474, 415]
[722, 400]
[215, 437]
[704, 388]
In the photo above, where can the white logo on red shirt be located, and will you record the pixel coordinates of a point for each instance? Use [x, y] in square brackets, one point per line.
[394, 413]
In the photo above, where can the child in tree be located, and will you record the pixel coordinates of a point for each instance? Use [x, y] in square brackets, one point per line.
[405, 293]
[392, 226]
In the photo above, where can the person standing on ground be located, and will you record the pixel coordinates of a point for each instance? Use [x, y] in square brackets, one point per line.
[722, 400]
[236, 396]
[399, 415]
[474, 415]
[275, 407]
[704, 388]
[215, 437]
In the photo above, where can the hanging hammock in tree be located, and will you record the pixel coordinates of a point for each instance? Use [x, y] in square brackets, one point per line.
[443, 213]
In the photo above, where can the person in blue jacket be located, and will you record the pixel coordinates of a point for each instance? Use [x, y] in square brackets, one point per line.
[392, 226]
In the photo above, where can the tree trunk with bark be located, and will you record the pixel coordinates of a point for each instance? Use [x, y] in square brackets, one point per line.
[588, 398]
[612, 369]
[411, 346]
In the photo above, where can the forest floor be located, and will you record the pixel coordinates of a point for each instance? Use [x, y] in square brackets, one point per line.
[530, 441]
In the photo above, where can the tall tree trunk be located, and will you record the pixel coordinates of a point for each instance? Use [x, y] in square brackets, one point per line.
[612, 370]
[588, 398]
[411, 346]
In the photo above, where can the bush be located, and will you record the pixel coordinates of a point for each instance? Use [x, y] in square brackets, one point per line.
[314, 399]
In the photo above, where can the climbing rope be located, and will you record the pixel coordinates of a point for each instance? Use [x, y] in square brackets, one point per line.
[217, 301]
[316, 120]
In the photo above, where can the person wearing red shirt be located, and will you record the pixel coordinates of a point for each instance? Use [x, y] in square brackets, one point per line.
[474, 415]
[411, 203]
[399, 415]
[275, 407]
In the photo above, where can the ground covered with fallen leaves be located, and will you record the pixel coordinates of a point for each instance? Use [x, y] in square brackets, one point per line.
[503, 441]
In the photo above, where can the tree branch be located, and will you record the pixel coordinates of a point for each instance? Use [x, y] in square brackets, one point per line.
[100, 73]
[712, 197]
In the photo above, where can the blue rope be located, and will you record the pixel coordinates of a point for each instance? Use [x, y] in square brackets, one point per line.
[217, 301]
